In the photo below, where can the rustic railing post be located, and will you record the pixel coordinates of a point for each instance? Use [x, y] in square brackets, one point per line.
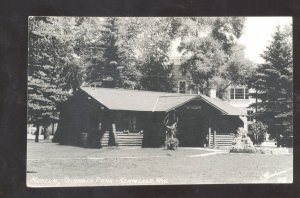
[209, 136]
[215, 134]
[115, 134]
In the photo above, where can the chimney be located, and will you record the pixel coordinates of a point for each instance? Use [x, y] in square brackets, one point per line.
[212, 92]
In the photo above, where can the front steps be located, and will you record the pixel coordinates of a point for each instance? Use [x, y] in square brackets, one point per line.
[123, 139]
[130, 139]
[224, 140]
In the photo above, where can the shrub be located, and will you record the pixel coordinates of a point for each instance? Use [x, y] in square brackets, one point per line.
[243, 144]
[259, 150]
[258, 130]
[285, 141]
[172, 143]
[236, 149]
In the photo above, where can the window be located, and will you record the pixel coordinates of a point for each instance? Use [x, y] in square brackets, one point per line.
[250, 115]
[239, 93]
[182, 86]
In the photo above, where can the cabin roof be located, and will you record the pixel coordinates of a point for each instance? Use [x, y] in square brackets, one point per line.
[151, 101]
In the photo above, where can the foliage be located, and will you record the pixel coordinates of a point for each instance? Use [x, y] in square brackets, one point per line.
[189, 27]
[238, 149]
[259, 150]
[43, 74]
[152, 48]
[211, 56]
[65, 52]
[243, 144]
[259, 131]
[285, 141]
[103, 68]
[205, 63]
[129, 28]
[135, 52]
[227, 30]
[236, 70]
[272, 81]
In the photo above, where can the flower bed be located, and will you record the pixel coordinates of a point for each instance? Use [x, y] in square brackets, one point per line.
[259, 150]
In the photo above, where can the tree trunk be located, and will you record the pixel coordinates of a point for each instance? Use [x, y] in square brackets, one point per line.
[37, 132]
[46, 133]
[52, 128]
[277, 138]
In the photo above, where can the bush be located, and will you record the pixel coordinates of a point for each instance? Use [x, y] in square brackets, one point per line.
[243, 144]
[285, 141]
[258, 130]
[172, 143]
[259, 150]
[236, 149]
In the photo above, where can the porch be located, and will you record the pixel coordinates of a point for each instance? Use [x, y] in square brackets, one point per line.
[99, 117]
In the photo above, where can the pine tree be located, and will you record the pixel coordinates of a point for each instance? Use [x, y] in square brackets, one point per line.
[104, 69]
[273, 84]
[43, 91]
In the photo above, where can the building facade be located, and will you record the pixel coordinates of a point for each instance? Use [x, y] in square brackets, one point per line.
[238, 95]
[104, 116]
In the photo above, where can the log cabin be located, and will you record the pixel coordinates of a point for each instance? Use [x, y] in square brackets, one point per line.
[97, 117]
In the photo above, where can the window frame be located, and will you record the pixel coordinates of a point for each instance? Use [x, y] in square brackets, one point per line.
[185, 86]
[244, 94]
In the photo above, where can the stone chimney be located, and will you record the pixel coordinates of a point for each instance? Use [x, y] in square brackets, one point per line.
[212, 92]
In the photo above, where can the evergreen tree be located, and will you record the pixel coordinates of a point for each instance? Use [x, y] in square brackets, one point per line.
[129, 28]
[273, 83]
[104, 69]
[43, 92]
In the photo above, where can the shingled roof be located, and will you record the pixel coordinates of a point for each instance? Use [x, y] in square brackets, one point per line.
[135, 100]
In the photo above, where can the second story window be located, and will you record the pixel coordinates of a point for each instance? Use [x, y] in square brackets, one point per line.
[182, 86]
[239, 93]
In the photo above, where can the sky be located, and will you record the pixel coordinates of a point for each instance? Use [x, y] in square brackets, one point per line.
[256, 36]
[258, 33]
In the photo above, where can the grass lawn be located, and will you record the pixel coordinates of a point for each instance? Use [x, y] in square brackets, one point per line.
[50, 164]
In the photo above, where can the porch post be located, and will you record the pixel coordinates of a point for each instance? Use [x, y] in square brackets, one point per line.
[114, 131]
[209, 134]
[215, 133]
